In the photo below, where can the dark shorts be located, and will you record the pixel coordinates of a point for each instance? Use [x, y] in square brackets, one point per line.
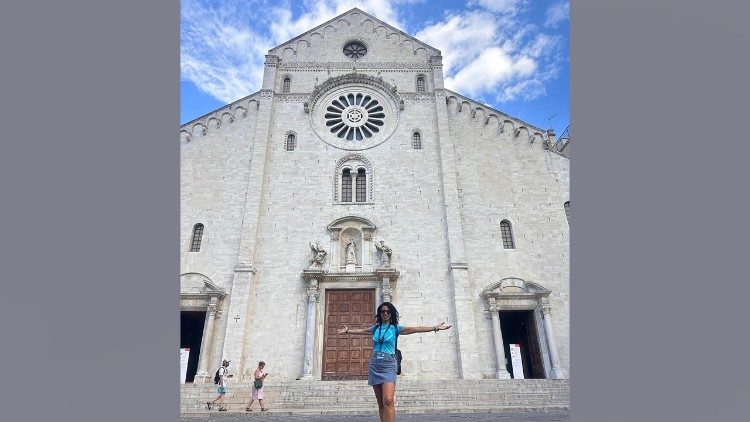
[382, 369]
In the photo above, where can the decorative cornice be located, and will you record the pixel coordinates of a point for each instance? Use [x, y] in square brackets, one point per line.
[383, 66]
[236, 109]
[353, 78]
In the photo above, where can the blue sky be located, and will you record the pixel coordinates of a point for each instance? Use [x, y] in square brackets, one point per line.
[511, 55]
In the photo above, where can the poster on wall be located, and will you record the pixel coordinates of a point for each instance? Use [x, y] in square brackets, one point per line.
[515, 360]
[184, 356]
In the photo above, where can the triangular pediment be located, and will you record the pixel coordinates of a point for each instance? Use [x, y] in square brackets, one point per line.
[512, 286]
[355, 17]
[199, 284]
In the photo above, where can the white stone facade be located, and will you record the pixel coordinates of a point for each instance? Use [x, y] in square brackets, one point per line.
[438, 208]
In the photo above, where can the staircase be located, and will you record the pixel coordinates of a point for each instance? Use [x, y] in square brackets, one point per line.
[357, 398]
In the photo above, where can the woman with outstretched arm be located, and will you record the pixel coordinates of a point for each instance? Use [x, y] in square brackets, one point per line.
[381, 374]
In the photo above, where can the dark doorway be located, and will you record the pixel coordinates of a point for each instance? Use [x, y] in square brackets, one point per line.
[191, 333]
[519, 327]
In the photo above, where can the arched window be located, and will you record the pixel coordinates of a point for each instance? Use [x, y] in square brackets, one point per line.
[346, 186]
[353, 180]
[287, 85]
[507, 235]
[195, 245]
[416, 140]
[361, 186]
[420, 84]
[566, 205]
[291, 142]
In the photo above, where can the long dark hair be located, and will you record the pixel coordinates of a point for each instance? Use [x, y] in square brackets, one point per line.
[392, 309]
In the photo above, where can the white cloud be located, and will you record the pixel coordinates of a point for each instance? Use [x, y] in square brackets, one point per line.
[499, 6]
[494, 55]
[461, 38]
[493, 67]
[557, 13]
[219, 53]
[488, 51]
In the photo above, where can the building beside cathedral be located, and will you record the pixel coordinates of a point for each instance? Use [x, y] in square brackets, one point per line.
[352, 177]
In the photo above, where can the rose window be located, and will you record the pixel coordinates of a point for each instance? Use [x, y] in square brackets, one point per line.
[354, 117]
[355, 50]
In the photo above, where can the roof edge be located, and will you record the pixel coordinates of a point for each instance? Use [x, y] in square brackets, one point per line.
[356, 9]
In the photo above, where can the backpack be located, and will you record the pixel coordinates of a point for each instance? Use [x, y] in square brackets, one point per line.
[216, 377]
[398, 358]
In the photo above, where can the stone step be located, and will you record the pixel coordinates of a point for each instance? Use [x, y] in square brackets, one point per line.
[356, 397]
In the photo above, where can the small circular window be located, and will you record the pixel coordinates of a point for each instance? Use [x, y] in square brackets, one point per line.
[354, 116]
[355, 50]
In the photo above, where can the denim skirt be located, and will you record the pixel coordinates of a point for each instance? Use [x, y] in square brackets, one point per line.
[382, 369]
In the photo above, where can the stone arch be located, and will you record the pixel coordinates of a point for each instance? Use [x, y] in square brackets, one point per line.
[226, 117]
[353, 161]
[198, 129]
[452, 103]
[240, 111]
[360, 230]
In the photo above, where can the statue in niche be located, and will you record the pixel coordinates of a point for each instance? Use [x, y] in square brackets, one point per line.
[351, 251]
[385, 253]
[318, 256]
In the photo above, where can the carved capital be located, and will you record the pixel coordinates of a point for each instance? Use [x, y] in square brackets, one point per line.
[214, 310]
[266, 94]
[367, 232]
[546, 309]
[335, 233]
[313, 293]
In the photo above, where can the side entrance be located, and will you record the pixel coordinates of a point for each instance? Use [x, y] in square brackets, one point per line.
[345, 356]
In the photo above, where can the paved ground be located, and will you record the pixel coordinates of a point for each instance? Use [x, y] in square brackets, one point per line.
[455, 417]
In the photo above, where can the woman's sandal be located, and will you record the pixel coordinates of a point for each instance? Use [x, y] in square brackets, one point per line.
[264, 409]
[208, 405]
[247, 409]
[222, 409]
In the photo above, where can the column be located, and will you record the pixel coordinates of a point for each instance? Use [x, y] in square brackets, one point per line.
[312, 299]
[557, 371]
[464, 305]
[207, 340]
[502, 371]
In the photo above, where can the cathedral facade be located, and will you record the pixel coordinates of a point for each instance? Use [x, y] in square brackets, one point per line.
[353, 177]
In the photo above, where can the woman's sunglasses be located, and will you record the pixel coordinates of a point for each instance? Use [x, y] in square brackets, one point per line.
[385, 311]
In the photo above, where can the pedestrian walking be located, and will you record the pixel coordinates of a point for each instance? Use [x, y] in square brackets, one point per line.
[257, 390]
[221, 387]
[381, 372]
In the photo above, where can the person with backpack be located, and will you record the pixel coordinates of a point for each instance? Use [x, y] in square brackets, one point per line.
[220, 379]
[383, 367]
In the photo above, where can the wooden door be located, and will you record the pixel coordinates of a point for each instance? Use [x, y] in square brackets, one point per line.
[345, 356]
[535, 352]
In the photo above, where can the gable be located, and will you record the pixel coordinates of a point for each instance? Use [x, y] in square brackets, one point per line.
[325, 43]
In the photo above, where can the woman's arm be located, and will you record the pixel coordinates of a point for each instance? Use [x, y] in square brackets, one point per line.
[346, 330]
[424, 329]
